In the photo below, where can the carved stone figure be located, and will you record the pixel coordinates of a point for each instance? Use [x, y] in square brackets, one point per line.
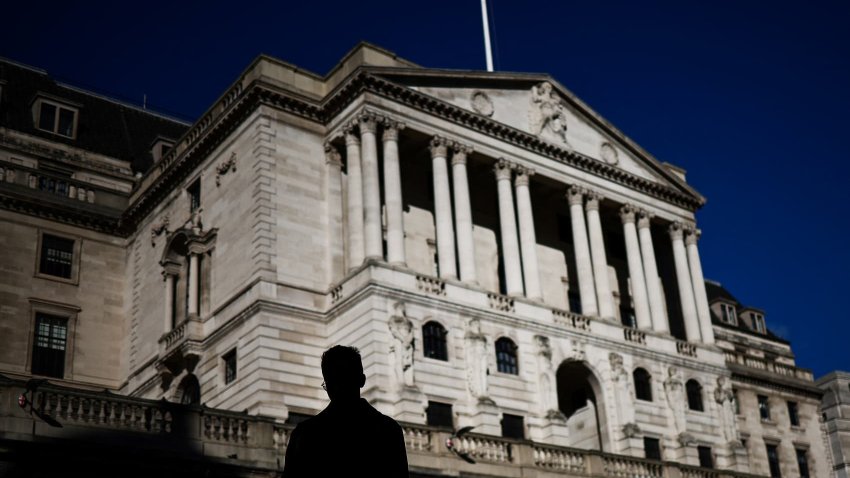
[577, 351]
[481, 103]
[622, 390]
[725, 399]
[403, 345]
[548, 398]
[476, 360]
[194, 222]
[608, 153]
[547, 116]
[674, 391]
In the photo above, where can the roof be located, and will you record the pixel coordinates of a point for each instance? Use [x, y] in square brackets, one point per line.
[105, 126]
[716, 291]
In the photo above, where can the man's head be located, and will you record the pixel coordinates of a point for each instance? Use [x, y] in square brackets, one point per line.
[343, 372]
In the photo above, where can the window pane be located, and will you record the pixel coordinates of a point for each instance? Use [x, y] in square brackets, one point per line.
[439, 415]
[48, 355]
[705, 458]
[66, 122]
[803, 463]
[47, 117]
[513, 426]
[506, 357]
[229, 366]
[434, 338]
[652, 448]
[793, 415]
[57, 256]
[773, 461]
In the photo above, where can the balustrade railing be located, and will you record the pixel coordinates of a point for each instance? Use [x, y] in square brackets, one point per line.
[482, 448]
[571, 319]
[763, 364]
[627, 467]
[500, 302]
[431, 285]
[634, 335]
[686, 348]
[559, 459]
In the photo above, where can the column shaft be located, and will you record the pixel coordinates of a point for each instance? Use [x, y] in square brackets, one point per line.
[356, 244]
[193, 284]
[392, 192]
[371, 189]
[686, 289]
[527, 237]
[600, 262]
[698, 282]
[336, 238]
[584, 268]
[443, 209]
[169, 303]
[636, 274]
[653, 283]
[463, 216]
[507, 221]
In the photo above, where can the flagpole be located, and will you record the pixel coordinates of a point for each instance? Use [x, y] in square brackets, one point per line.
[486, 22]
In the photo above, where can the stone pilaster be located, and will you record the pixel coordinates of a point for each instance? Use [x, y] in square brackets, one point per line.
[584, 267]
[443, 208]
[194, 270]
[336, 234]
[507, 221]
[700, 296]
[604, 297]
[371, 187]
[392, 194]
[463, 215]
[683, 278]
[168, 316]
[636, 273]
[527, 237]
[356, 242]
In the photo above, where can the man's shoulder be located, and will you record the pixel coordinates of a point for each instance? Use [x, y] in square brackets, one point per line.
[383, 420]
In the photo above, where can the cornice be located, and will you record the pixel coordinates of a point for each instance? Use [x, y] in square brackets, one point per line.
[86, 219]
[775, 382]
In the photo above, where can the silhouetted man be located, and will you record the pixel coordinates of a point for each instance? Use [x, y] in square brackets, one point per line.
[349, 437]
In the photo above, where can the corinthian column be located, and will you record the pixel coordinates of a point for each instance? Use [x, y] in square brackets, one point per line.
[507, 221]
[371, 188]
[699, 287]
[686, 288]
[356, 248]
[653, 284]
[528, 239]
[392, 192]
[463, 215]
[597, 254]
[587, 291]
[636, 274]
[443, 209]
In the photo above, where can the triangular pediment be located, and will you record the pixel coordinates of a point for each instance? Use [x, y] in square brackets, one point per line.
[539, 106]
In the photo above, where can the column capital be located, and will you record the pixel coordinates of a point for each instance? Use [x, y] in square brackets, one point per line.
[643, 219]
[593, 199]
[676, 231]
[523, 174]
[503, 169]
[332, 155]
[391, 129]
[351, 138]
[460, 152]
[628, 213]
[692, 235]
[575, 195]
[439, 147]
[368, 122]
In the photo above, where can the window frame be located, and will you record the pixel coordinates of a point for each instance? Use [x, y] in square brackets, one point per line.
[793, 413]
[447, 406]
[648, 385]
[657, 442]
[705, 456]
[763, 404]
[75, 259]
[518, 421]
[225, 358]
[502, 367]
[191, 190]
[728, 314]
[427, 341]
[770, 463]
[804, 452]
[59, 105]
[55, 309]
[691, 405]
[759, 324]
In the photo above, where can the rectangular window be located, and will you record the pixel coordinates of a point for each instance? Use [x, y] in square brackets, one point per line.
[793, 414]
[803, 463]
[229, 366]
[48, 353]
[57, 256]
[652, 448]
[56, 118]
[758, 323]
[513, 426]
[575, 302]
[705, 458]
[764, 408]
[729, 315]
[194, 192]
[736, 402]
[439, 415]
[773, 461]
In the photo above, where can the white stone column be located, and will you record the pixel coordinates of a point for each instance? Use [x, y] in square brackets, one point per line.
[169, 302]
[392, 194]
[698, 281]
[193, 284]
[597, 254]
[371, 188]
[443, 209]
[507, 221]
[356, 244]
[463, 215]
[527, 237]
[334, 209]
[584, 268]
[636, 274]
[686, 288]
[650, 267]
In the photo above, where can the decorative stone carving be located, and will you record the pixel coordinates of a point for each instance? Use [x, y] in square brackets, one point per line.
[725, 399]
[608, 153]
[439, 147]
[577, 351]
[548, 397]
[159, 228]
[622, 390]
[675, 394]
[547, 115]
[194, 223]
[224, 168]
[403, 345]
[476, 361]
[481, 103]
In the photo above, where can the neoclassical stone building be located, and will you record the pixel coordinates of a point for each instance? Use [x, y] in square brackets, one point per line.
[502, 256]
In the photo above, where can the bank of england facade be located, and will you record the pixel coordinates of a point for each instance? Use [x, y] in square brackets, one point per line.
[502, 256]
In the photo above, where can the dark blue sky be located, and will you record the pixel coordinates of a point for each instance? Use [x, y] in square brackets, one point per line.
[750, 97]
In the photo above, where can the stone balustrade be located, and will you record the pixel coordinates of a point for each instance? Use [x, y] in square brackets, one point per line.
[571, 319]
[770, 366]
[259, 443]
[634, 335]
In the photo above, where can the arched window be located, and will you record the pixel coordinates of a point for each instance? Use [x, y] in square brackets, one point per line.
[506, 359]
[694, 391]
[643, 384]
[434, 340]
